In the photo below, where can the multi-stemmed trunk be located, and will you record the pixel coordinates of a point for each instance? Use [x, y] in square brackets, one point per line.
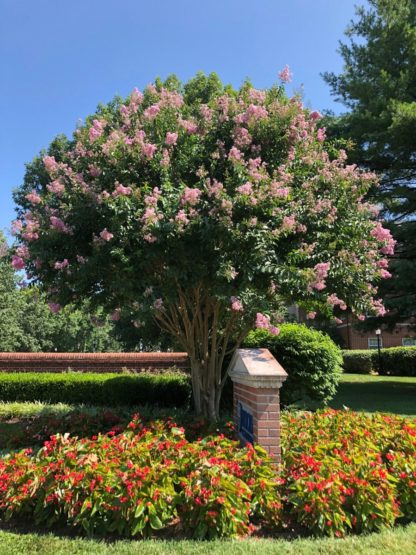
[210, 333]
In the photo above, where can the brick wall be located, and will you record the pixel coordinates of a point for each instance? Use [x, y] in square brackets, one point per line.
[90, 362]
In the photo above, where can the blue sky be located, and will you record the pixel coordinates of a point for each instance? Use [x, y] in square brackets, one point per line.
[59, 59]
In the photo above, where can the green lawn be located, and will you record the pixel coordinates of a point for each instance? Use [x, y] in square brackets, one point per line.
[399, 541]
[367, 393]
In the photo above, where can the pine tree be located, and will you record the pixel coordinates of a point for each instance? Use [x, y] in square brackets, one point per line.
[378, 86]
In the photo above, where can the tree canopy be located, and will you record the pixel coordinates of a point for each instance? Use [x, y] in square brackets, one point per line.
[204, 209]
[378, 86]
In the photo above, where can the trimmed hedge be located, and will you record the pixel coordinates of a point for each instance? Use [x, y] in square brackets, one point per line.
[310, 357]
[395, 361]
[358, 362]
[169, 389]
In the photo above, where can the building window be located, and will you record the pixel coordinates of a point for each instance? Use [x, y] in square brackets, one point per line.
[409, 342]
[373, 343]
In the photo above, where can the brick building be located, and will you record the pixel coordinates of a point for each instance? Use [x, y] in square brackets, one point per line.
[402, 335]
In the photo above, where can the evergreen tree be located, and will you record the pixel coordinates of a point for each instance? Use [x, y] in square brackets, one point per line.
[9, 302]
[378, 85]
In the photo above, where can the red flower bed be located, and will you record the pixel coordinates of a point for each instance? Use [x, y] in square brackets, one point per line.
[348, 471]
[142, 480]
[34, 431]
[341, 472]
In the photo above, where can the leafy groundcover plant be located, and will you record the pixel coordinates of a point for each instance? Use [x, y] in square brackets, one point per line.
[341, 472]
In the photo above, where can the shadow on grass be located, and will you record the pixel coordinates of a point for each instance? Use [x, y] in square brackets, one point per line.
[387, 396]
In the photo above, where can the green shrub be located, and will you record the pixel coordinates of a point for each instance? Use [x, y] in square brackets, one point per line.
[398, 361]
[310, 357]
[359, 362]
[169, 389]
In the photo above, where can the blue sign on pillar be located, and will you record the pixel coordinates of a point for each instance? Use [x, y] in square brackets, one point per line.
[245, 423]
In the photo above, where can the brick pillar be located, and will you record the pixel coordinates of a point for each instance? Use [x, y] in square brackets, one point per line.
[257, 378]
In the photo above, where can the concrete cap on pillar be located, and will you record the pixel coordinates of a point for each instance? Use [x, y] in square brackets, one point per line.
[257, 368]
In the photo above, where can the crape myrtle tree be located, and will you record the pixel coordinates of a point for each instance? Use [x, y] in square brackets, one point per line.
[205, 209]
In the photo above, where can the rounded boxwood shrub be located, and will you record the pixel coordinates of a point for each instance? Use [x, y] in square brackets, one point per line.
[310, 357]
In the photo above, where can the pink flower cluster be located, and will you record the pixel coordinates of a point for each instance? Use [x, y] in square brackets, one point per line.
[54, 307]
[263, 322]
[171, 138]
[190, 196]
[285, 75]
[242, 137]
[245, 189]
[214, 188]
[151, 200]
[30, 232]
[120, 191]
[320, 134]
[333, 300]
[61, 265]
[148, 150]
[60, 225]
[34, 198]
[151, 112]
[190, 126]
[181, 218]
[321, 272]
[236, 304]
[23, 252]
[56, 187]
[96, 130]
[51, 165]
[278, 191]
[106, 235]
[235, 155]
[378, 307]
[17, 262]
[253, 113]
[288, 223]
[206, 112]
[384, 236]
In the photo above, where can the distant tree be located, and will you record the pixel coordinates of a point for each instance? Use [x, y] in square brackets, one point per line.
[204, 209]
[72, 330]
[84, 330]
[9, 301]
[37, 325]
[378, 86]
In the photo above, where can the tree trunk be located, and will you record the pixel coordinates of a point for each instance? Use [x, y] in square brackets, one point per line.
[205, 329]
[206, 398]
